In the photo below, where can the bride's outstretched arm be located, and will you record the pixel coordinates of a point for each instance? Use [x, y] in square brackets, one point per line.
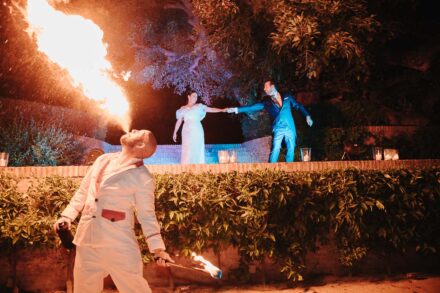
[214, 110]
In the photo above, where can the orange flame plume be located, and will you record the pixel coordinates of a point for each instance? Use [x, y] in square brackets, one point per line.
[214, 271]
[75, 44]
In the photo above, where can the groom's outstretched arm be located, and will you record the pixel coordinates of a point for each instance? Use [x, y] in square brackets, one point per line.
[245, 109]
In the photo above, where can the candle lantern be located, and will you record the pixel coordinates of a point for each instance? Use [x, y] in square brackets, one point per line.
[377, 153]
[306, 154]
[4, 158]
[223, 157]
[391, 154]
[233, 156]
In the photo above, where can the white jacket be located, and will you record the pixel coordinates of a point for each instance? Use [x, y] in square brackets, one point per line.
[107, 209]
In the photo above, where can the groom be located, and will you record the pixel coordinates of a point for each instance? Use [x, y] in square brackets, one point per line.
[283, 127]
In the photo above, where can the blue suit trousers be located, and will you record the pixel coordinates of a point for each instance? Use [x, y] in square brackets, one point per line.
[289, 138]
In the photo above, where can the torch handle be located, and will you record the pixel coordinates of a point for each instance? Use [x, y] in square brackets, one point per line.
[177, 265]
[185, 267]
[216, 275]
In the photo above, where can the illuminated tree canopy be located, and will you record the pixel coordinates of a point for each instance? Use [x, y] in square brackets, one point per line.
[228, 47]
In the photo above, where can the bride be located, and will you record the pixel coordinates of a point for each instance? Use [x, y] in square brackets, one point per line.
[193, 137]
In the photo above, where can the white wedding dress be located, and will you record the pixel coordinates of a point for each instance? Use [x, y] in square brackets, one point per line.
[193, 137]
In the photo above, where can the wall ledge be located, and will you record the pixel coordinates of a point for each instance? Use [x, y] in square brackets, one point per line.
[80, 171]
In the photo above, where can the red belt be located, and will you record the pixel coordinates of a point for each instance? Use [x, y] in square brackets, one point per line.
[113, 216]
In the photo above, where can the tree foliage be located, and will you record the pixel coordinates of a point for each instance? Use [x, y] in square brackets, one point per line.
[233, 45]
[172, 50]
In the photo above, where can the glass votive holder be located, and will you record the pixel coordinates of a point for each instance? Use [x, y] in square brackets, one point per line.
[390, 154]
[223, 156]
[377, 153]
[4, 158]
[233, 156]
[306, 154]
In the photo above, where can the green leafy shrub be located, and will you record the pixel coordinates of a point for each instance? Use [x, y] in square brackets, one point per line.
[13, 205]
[31, 143]
[263, 214]
[27, 219]
[49, 196]
[14, 211]
[284, 215]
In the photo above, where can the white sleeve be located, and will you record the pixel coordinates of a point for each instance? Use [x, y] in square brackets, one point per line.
[179, 113]
[77, 202]
[146, 214]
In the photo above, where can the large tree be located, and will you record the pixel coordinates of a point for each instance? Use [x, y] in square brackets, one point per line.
[172, 50]
[227, 47]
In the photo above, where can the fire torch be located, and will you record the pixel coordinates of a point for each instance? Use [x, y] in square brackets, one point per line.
[206, 266]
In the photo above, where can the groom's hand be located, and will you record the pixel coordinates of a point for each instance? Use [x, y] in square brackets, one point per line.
[232, 110]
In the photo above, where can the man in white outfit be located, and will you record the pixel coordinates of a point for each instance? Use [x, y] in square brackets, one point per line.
[117, 186]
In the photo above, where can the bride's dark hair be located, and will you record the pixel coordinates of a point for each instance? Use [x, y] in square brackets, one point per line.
[199, 100]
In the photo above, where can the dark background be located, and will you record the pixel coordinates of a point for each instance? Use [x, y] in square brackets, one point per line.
[156, 110]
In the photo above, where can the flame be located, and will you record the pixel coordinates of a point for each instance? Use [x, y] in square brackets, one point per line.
[126, 75]
[208, 266]
[75, 44]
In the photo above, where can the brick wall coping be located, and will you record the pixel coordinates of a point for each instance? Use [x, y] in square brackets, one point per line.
[79, 171]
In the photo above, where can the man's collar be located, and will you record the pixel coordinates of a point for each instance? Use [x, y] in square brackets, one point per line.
[132, 161]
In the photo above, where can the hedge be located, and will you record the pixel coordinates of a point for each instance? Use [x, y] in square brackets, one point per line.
[262, 213]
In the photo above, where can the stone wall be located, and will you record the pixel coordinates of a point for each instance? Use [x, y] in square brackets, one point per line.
[46, 270]
[253, 151]
[79, 171]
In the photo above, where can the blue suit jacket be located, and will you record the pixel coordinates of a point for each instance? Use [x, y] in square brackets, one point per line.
[282, 118]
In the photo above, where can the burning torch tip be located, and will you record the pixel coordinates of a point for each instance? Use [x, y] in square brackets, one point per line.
[218, 275]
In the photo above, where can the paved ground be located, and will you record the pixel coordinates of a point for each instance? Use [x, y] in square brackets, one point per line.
[400, 284]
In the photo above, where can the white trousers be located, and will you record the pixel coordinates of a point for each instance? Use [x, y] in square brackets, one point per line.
[123, 264]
